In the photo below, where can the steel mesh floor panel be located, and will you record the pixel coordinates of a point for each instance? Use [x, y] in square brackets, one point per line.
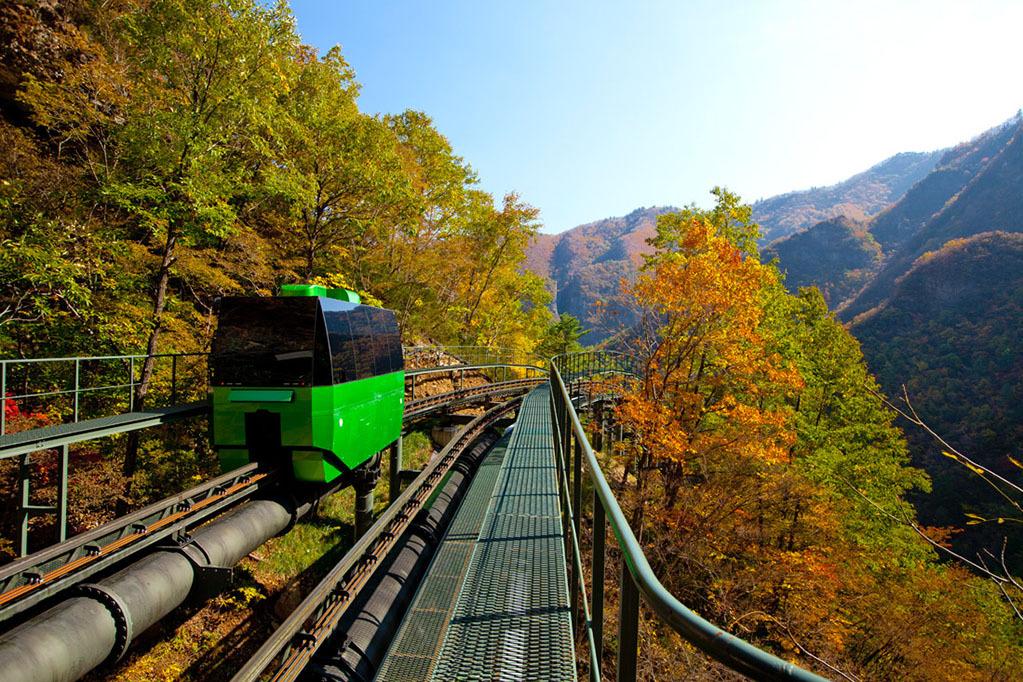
[512, 619]
[413, 653]
[83, 427]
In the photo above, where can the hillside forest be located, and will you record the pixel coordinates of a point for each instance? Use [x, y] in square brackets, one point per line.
[156, 155]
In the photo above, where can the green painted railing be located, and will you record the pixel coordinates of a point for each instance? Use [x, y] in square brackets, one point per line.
[638, 580]
[95, 386]
[84, 387]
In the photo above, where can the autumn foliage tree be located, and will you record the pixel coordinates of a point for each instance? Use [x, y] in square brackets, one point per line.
[756, 457]
[709, 383]
[158, 154]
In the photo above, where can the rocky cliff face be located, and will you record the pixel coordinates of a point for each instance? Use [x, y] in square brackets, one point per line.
[587, 263]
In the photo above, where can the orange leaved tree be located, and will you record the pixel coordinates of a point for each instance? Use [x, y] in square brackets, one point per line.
[711, 390]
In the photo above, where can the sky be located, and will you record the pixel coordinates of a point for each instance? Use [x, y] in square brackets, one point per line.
[592, 109]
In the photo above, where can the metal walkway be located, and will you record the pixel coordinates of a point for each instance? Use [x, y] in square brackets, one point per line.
[494, 604]
[24, 442]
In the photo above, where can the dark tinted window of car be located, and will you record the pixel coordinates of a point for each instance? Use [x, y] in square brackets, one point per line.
[394, 343]
[264, 342]
[322, 374]
[382, 325]
[342, 348]
[363, 342]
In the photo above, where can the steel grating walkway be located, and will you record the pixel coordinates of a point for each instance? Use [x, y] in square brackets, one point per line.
[494, 605]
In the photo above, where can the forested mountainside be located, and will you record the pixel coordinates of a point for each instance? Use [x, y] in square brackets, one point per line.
[585, 264]
[860, 197]
[837, 256]
[938, 312]
[951, 333]
[988, 199]
[959, 197]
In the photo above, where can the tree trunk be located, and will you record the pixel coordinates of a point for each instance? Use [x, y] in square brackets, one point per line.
[142, 388]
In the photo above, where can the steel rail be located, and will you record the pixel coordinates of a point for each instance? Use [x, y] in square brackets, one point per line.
[571, 523]
[424, 406]
[726, 648]
[50, 437]
[328, 601]
[27, 581]
[419, 371]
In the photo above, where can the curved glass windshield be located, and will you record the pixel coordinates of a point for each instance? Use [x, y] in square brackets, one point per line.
[264, 342]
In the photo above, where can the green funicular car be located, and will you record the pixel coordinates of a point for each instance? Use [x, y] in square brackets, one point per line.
[311, 378]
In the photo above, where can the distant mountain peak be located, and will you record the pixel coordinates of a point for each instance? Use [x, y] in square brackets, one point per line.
[860, 197]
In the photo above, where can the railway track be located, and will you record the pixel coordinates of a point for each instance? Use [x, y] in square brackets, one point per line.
[26, 582]
[315, 619]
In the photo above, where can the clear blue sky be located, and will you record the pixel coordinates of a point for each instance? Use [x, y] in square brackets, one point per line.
[592, 109]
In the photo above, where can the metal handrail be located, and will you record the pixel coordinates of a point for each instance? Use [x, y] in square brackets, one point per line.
[469, 357]
[75, 365]
[638, 577]
[467, 354]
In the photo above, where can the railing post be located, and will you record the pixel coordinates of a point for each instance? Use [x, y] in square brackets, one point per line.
[24, 473]
[597, 594]
[394, 487]
[174, 379]
[577, 471]
[76, 391]
[62, 494]
[628, 626]
[131, 384]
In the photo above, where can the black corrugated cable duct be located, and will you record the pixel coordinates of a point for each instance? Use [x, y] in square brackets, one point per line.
[355, 651]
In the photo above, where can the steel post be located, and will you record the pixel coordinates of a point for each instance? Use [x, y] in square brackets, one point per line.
[76, 387]
[597, 576]
[363, 509]
[62, 469]
[394, 484]
[3, 398]
[24, 475]
[628, 626]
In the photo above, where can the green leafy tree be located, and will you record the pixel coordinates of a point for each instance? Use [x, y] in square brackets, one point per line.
[337, 170]
[174, 153]
[561, 337]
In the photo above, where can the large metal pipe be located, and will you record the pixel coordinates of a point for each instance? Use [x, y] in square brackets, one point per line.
[78, 634]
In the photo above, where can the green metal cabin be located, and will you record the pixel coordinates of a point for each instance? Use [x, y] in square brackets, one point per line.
[313, 378]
